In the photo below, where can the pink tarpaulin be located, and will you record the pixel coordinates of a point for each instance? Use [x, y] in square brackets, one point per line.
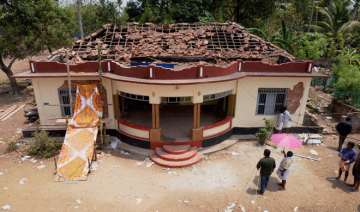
[286, 141]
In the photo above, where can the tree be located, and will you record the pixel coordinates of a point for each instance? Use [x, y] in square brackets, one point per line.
[95, 14]
[337, 23]
[250, 12]
[79, 17]
[356, 10]
[26, 28]
[311, 46]
[133, 10]
[285, 38]
[347, 77]
[169, 11]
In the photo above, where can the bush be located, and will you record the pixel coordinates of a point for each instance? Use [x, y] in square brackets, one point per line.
[265, 132]
[262, 135]
[347, 79]
[43, 146]
[311, 46]
[269, 125]
[12, 146]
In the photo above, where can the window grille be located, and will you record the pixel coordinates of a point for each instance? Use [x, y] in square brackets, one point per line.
[65, 100]
[270, 100]
[134, 97]
[215, 96]
[172, 100]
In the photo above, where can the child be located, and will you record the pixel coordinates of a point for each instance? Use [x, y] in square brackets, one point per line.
[284, 168]
[347, 156]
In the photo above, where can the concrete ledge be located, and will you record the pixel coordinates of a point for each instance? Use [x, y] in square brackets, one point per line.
[236, 133]
[254, 130]
[218, 147]
[133, 149]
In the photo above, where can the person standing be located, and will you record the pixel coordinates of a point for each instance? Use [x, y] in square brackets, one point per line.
[284, 168]
[356, 174]
[344, 128]
[266, 165]
[284, 120]
[347, 156]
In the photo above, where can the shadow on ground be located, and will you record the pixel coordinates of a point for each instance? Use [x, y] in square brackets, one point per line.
[272, 185]
[124, 154]
[332, 148]
[339, 184]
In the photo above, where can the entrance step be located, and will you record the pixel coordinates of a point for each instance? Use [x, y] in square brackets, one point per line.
[175, 157]
[176, 164]
[176, 149]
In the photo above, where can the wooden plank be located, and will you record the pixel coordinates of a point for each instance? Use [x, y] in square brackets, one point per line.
[13, 112]
[7, 111]
[307, 157]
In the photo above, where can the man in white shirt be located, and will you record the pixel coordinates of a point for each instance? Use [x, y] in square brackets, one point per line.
[284, 120]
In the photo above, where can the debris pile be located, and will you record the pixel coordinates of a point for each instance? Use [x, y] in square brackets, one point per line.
[147, 162]
[212, 41]
[230, 207]
[311, 138]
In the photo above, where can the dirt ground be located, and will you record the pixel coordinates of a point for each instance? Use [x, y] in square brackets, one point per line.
[126, 183]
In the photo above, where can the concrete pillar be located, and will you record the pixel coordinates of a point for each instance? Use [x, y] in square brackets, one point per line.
[197, 131]
[231, 105]
[155, 115]
[116, 107]
[155, 131]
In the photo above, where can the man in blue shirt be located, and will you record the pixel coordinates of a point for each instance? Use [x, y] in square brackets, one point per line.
[347, 156]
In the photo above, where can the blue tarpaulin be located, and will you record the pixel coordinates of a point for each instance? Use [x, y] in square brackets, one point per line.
[147, 63]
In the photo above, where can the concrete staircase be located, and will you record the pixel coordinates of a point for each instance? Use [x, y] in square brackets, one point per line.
[176, 156]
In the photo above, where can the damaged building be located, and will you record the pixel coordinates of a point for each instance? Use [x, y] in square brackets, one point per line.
[188, 85]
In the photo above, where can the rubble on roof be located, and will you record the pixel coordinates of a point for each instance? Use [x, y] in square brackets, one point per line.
[216, 41]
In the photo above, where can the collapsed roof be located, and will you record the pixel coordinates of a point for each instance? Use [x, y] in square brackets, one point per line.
[181, 42]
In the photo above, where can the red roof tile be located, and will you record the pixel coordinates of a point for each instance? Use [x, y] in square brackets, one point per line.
[175, 42]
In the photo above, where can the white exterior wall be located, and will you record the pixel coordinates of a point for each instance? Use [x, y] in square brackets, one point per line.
[155, 92]
[246, 99]
[48, 102]
[110, 122]
[46, 91]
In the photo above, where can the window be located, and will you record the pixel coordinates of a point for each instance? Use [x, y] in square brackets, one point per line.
[215, 96]
[134, 97]
[172, 100]
[65, 100]
[270, 100]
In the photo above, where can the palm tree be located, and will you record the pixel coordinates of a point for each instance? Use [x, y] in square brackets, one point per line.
[336, 22]
[79, 18]
[356, 10]
[351, 56]
[285, 38]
